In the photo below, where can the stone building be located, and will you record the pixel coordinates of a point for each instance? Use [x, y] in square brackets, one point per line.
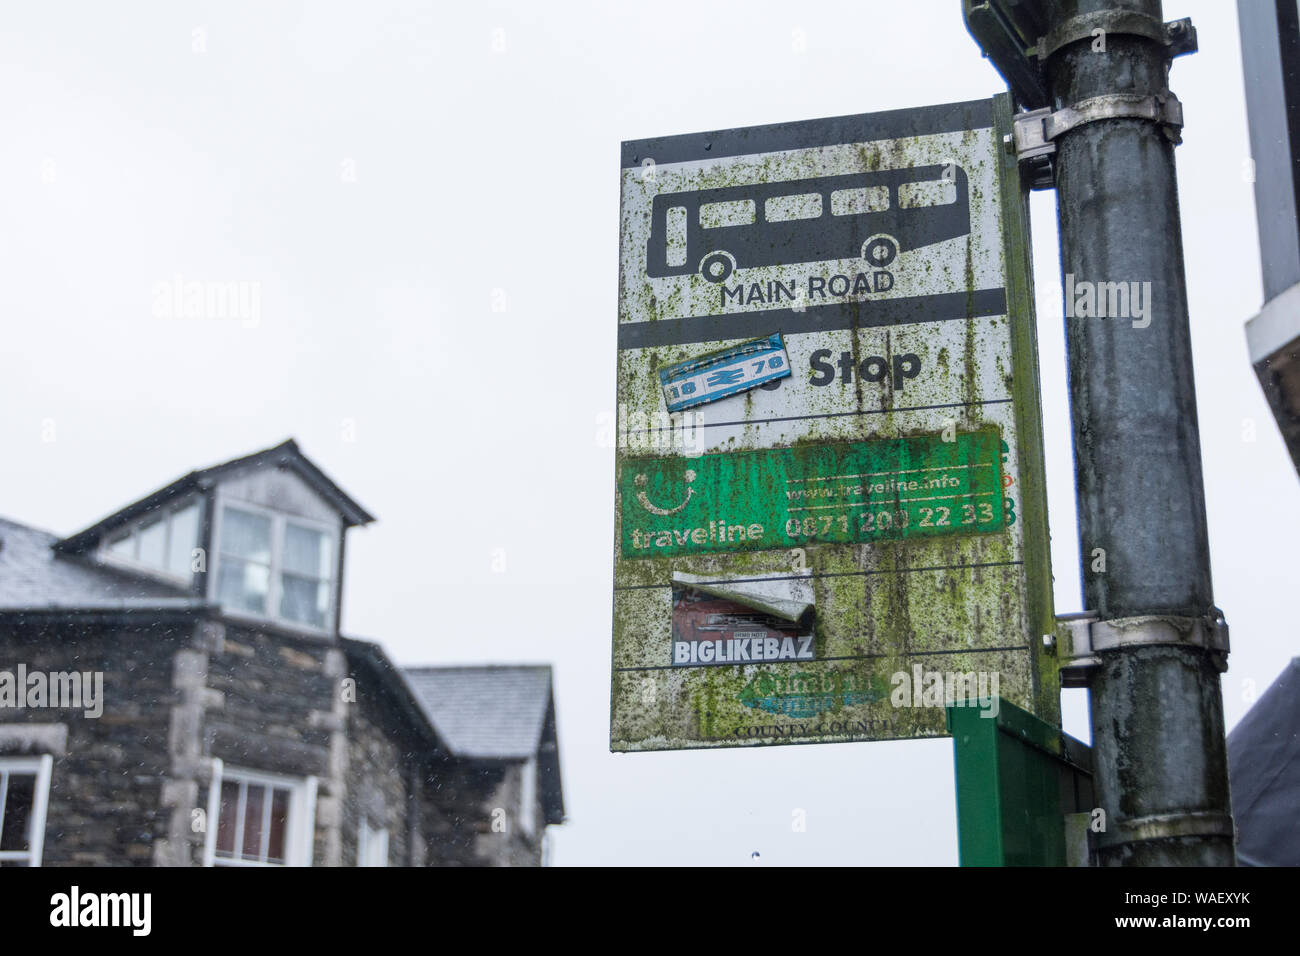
[175, 691]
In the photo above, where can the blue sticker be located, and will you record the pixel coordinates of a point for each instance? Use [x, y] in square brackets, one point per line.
[726, 372]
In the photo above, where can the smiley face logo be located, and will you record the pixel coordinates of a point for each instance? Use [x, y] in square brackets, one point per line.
[644, 499]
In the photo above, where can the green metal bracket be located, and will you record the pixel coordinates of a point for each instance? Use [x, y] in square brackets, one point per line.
[1018, 780]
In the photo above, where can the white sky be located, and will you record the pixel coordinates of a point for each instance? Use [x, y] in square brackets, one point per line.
[129, 158]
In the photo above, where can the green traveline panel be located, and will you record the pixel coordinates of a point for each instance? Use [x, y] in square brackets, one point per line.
[786, 497]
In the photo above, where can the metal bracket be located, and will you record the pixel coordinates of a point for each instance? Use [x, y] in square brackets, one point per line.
[1081, 638]
[1033, 132]
[1033, 150]
[1178, 35]
[1167, 826]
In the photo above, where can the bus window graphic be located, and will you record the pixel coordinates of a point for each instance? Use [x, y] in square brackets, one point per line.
[874, 215]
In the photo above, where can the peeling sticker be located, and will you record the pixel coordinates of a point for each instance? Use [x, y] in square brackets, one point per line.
[724, 372]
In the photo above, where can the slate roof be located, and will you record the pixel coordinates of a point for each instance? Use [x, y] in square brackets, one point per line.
[492, 712]
[33, 576]
[496, 712]
[1264, 774]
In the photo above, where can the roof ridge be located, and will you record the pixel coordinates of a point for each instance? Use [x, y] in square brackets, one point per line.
[306, 469]
[493, 711]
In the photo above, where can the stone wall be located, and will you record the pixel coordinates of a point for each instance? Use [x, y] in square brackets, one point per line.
[381, 775]
[280, 712]
[105, 803]
[473, 811]
[126, 786]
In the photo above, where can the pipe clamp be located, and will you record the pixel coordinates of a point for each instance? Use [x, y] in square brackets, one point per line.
[1167, 826]
[1082, 637]
[1178, 35]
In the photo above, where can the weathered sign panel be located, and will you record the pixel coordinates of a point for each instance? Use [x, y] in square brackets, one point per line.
[848, 301]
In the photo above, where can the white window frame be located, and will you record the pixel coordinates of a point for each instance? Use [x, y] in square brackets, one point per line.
[528, 796]
[41, 768]
[300, 834]
[278, 521]
[133, 530]
[372, 844]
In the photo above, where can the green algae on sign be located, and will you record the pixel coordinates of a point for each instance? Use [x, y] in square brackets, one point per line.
[786, 497]
[890, 252]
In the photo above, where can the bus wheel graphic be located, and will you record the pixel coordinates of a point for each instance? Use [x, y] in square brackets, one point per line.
[880, 251]
[716, 266]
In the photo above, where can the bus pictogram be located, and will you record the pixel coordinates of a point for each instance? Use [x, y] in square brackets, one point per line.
[874, 215]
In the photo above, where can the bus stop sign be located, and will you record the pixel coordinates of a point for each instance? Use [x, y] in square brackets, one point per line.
[829, 503]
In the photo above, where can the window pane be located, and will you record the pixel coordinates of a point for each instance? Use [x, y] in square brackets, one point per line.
[228, 819]
[675, 235]
[715, 215]
[18, 811]
[372, 845]
[246, 535]
[854, 202]
[243, 585]
[251, 848]
[785, 208]
[304, 599]
[279, 822]
[306, 552]
[184, 539]
[153, 539]
[376, 848]
[939, 192]
[124, 547]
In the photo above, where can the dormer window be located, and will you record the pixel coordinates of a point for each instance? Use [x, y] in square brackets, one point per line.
[275, 566]
[305, 578]
[165, 542]
[261, 535]
[244, 579]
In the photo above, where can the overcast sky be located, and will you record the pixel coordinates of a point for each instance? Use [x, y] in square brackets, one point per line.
[425, 197]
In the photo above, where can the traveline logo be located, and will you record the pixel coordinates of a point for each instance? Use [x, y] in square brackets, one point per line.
[103, 909]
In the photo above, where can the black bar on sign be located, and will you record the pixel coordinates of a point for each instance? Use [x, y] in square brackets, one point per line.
[831, 131]
[822, 318]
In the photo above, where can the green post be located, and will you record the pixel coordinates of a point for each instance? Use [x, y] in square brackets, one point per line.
[1018, 778]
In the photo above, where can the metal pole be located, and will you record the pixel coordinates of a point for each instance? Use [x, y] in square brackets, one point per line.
[1157, 709]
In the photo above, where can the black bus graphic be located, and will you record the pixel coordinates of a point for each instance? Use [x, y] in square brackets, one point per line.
[875, 215]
